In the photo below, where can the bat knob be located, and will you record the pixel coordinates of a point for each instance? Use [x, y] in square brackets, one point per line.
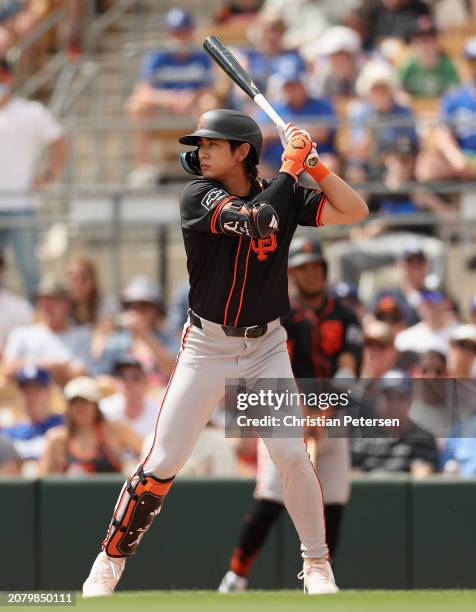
[312, 160]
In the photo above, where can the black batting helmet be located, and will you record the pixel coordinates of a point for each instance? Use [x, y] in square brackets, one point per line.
[223, 124]
[305, 250]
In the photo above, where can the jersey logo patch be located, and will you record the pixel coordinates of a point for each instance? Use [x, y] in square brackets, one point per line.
[332, 336]
[263, 246]
[213, 197]
[274, 223]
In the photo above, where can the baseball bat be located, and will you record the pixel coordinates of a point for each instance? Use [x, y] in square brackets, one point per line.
[232, 67]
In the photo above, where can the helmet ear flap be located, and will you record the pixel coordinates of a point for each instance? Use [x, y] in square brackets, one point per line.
[190, 162]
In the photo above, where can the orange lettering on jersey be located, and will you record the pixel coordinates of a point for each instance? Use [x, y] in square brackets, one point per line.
[263, 246]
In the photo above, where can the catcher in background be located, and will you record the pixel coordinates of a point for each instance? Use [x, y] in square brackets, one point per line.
[324, 340]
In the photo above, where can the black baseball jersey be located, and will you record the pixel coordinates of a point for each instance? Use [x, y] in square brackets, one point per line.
[317, 337]
[237, 280]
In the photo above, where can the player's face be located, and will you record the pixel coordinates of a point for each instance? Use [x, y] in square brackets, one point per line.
[217, 160]
[310, 278]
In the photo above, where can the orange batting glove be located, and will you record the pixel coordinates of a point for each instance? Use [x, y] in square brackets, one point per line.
[313, 164]
[295, 155]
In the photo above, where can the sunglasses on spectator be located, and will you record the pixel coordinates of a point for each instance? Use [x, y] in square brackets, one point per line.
[431, 370]
[376, 344]
[465, 345]
[132, 376]
[415, 259]
[140, 305]
[389, 317]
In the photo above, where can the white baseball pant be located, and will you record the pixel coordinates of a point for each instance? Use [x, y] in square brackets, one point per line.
[207, 358]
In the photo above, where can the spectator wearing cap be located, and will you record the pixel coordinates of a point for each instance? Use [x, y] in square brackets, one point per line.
[142, 333]
[316, 115]
[377, 119]
[27, 129]
[391, 310]
[341, 47]
[428, 72]
[404, 448]
[399, 160]
[379, 355]
[53, 343]
[414, 268]
[10, 460]
[454, 156]
[28, 433]
[130, 404]
[431, 407]
[392, 19]
[14, 310]
[174, 81]
[462, 353]
[86, 443]
[434, 330]
[348, 294]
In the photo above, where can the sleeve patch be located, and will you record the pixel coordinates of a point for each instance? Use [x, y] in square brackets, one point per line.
[213, 197]
[354, 335]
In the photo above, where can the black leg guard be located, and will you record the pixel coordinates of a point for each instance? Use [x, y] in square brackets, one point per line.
[255, 530]
[144, 503]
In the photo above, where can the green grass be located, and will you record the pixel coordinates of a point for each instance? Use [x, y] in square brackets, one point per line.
[279, 601]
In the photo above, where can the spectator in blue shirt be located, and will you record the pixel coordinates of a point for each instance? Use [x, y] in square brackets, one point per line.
[376, 120]
[28, 434]
[142, 333]
[268, 54]
[455, 137]
[175, 80]
[316, 115]
[459, 454]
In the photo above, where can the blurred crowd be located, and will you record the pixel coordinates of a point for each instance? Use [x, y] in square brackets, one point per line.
[83, 376]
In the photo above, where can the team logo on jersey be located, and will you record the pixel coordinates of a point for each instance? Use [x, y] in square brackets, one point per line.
[212, 197]
[263, 246]
[332, 336]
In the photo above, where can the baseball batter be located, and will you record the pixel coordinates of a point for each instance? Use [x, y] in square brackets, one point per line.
[237, 230]
[324, 340]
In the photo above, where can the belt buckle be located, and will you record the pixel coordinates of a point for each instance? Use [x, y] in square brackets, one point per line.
[250, 327]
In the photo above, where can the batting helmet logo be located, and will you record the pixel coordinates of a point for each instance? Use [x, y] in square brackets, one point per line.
[201, 122]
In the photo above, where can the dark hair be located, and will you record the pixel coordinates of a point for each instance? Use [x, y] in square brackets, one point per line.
[5, 65]
[86, 312]
[251, 161]
[434, 354]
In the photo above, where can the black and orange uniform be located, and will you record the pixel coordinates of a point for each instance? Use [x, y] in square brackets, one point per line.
[243, 281]
[101, 461]
[317, 337]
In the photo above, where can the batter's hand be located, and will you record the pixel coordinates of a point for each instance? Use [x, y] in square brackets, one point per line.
[293, 130]
[295, 155]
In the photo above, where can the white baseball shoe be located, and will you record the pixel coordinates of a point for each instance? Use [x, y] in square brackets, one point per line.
[104, 576]
[318, 577]
[233, 583]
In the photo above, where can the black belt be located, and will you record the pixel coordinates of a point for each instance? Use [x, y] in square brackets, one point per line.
[252, 331]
